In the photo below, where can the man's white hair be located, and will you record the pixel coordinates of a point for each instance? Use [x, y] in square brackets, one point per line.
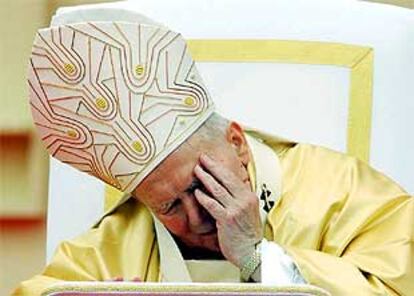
[212, 130]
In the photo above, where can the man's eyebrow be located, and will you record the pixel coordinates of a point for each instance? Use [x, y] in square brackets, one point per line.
[166, 205]
[190, 189]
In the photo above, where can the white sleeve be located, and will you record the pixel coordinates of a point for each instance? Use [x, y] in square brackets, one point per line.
[277, 267]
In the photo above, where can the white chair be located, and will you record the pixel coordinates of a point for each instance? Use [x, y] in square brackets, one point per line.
[311, 72]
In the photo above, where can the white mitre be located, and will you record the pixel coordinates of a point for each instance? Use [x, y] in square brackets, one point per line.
[113, 93]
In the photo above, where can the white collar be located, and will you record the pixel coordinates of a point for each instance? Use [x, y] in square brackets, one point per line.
[267, 171]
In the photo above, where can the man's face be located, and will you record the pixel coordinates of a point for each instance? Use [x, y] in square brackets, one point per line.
[169, 190]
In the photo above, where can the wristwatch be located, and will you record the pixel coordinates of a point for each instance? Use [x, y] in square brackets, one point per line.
[251, 263]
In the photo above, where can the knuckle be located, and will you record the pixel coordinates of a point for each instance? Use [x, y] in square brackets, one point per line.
[252, 202]
[246, 209]
[212, 206]
[217, 191]
[232, 217]
[210, 181]
[249, 205]
[230, 176]
[209, 177]
[226, 173]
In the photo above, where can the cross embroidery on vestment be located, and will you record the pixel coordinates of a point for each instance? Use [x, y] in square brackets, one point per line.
[265, 197]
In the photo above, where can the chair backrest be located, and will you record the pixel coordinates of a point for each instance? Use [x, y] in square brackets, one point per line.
[333, 73]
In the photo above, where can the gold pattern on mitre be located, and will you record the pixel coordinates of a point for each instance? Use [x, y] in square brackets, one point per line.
[72, 133]
[189, 101]
[69, 68]
[137, 146]
[101, 103]
[141, 124]
[139, 70]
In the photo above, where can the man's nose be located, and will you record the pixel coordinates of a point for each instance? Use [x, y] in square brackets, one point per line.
[199, 220]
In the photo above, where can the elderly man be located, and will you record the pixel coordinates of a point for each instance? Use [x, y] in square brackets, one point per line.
[207, 200]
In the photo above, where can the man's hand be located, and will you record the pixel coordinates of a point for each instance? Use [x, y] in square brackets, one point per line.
[234, 207]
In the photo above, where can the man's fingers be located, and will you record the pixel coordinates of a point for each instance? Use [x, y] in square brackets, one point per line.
[212, 206]
[225, 176]
[215, 188]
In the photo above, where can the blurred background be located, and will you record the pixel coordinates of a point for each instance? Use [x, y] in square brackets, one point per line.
[24, 163]
[23, 160]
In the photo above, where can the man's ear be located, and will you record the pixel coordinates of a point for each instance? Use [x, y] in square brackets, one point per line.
[235, 137]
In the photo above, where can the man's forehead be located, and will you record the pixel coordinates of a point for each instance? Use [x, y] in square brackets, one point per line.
[166, 183]
[171, 176]
[163, 194]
